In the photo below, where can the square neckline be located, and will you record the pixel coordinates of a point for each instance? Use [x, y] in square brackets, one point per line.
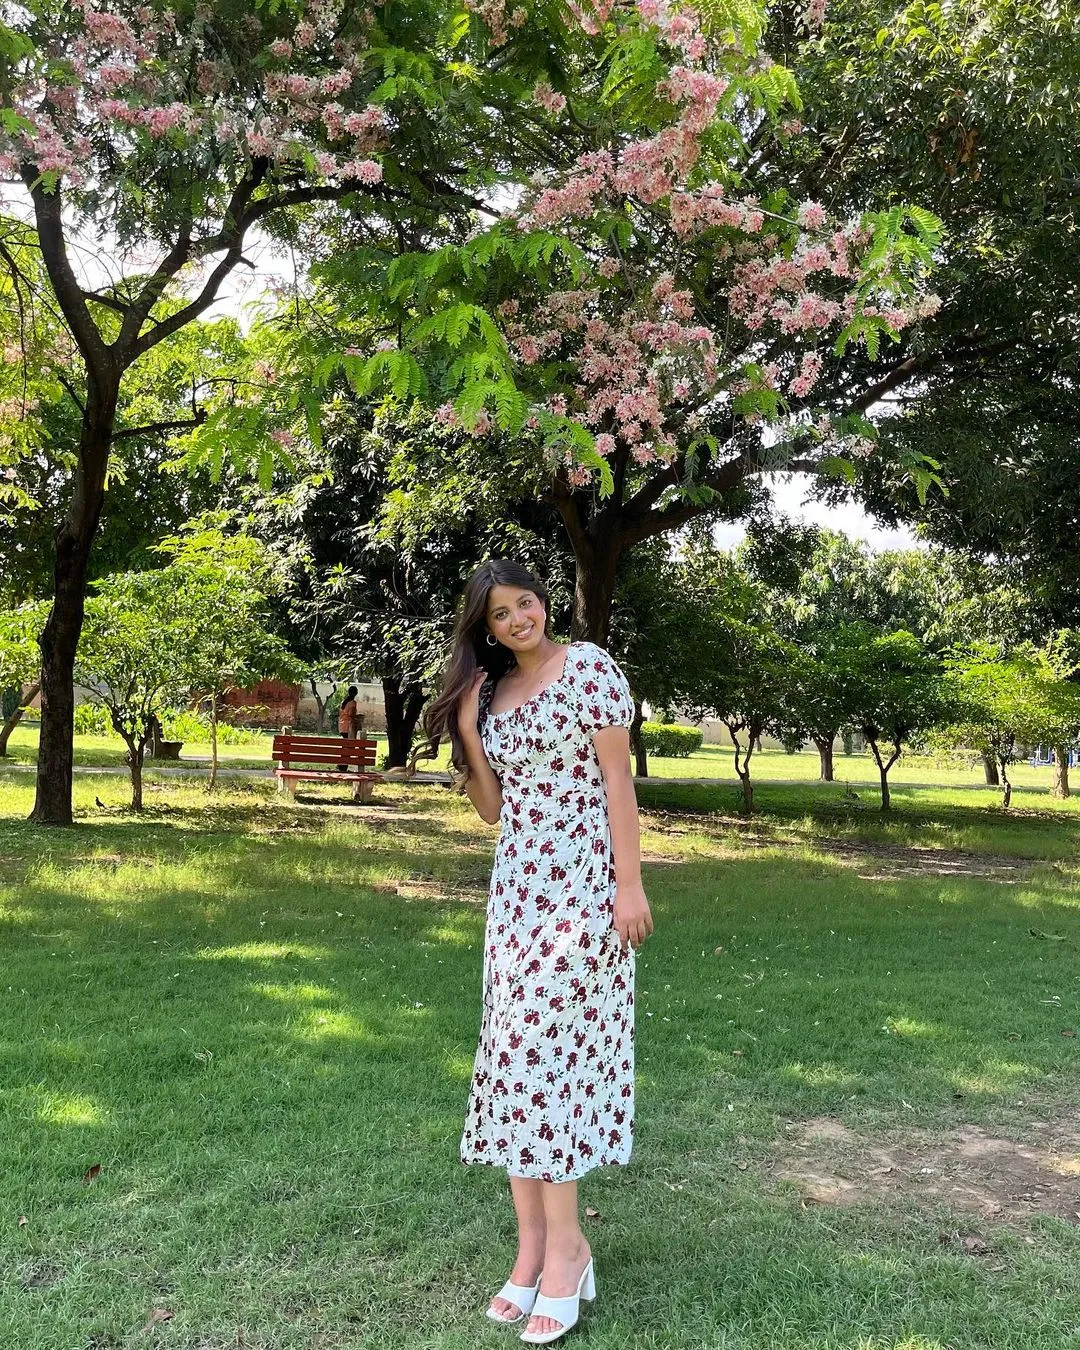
[551, 684]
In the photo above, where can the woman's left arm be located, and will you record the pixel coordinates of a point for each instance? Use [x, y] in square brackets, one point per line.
[632, 918]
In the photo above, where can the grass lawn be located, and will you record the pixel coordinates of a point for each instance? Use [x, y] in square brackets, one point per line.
[710, 762]
[858, 1071]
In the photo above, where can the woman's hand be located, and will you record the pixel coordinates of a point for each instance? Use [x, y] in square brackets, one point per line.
[632, 918]
[468, 707]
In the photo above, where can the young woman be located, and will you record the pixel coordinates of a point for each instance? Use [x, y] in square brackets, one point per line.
[539, 737]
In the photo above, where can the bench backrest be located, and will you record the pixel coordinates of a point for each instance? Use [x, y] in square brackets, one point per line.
[324, 751]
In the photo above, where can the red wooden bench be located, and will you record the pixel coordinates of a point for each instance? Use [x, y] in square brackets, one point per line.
[319, 757]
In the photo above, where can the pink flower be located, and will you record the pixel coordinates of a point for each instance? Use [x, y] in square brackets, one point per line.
[809, 371]
[811, 216]
[547, 98]
[605, 444]
[364, 170]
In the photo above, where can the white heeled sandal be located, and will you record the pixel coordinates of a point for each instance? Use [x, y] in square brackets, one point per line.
[564, 1310]
[522, 1296]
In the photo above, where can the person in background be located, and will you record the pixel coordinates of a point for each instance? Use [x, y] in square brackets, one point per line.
[346, 718]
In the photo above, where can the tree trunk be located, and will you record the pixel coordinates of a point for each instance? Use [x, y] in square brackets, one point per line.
[16, 717]
[596, 554]
[742, 764]
[637, 742]
[403, 709]
[52, 805]
[213, 742]
[883, 771]
[136, 750]
[1006, 786]
[825, 751]
[990, 770]
[321, 703]
[1061, 772]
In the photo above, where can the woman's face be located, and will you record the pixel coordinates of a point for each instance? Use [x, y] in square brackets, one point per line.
[516, 617]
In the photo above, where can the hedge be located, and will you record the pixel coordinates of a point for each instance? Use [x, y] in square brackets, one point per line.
[670, 742]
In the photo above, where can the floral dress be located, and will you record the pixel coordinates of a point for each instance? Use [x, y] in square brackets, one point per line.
[553, 1082]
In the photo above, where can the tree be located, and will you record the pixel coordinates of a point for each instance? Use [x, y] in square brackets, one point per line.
[897, 692]
[824, 588]
[972, 109]
[740, 665]
[227, 582]
[178, 130]
[655, 634]
[818, 584]
[642, 316]
[133, 655]
[1008, 701]
[20, 659]
[818, 697]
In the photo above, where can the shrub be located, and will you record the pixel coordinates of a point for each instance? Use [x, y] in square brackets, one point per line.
[91, 719]
[184, 724]
[670, 742]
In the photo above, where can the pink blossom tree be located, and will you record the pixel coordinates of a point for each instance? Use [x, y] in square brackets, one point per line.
[660, 329]
[159, 137]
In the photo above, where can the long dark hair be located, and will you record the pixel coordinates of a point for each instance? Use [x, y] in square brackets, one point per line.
[470, 651]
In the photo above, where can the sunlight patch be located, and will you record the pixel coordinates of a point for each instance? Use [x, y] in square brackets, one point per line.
[294, 993]
[73, 1110]
[908, 1026]
[822, 1075]
[453, 934]
[322, 1023]
[996, 1076]
[459, 1066]
[262, 951]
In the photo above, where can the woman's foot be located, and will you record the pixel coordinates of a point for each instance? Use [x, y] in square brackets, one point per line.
[525, 1274]
[562, 1277]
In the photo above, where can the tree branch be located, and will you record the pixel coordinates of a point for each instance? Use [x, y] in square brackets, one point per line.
[72, 394]
[155, 428]
[69, 294]
[110, 301]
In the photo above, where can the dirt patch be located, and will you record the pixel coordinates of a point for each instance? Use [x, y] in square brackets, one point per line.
[418, 889]
[969, 1170]
[883, 861]
[876, 861]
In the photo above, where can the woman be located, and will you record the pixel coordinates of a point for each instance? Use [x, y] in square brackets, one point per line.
[346, 718]
[539, 736]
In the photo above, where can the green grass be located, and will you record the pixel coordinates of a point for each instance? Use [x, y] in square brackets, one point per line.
[710, 762]
[259, 1018]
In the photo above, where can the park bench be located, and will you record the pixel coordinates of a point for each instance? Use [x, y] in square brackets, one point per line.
[318, 758]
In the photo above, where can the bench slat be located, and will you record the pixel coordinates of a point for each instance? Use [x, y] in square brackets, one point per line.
[356, 752]
[330, 777]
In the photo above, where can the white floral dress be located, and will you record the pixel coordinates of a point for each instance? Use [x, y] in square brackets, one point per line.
[553, 1082]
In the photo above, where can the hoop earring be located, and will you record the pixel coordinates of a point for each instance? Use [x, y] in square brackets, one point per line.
[491, 640]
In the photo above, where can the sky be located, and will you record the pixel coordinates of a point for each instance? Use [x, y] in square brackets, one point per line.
[791, 496]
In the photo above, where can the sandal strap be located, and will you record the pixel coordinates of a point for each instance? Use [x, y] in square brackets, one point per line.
[564, 1310]
[520, 1295]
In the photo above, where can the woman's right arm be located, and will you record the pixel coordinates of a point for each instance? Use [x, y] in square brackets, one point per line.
[482, 786]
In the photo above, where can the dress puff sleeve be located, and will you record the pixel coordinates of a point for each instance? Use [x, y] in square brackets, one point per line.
[604, 697]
